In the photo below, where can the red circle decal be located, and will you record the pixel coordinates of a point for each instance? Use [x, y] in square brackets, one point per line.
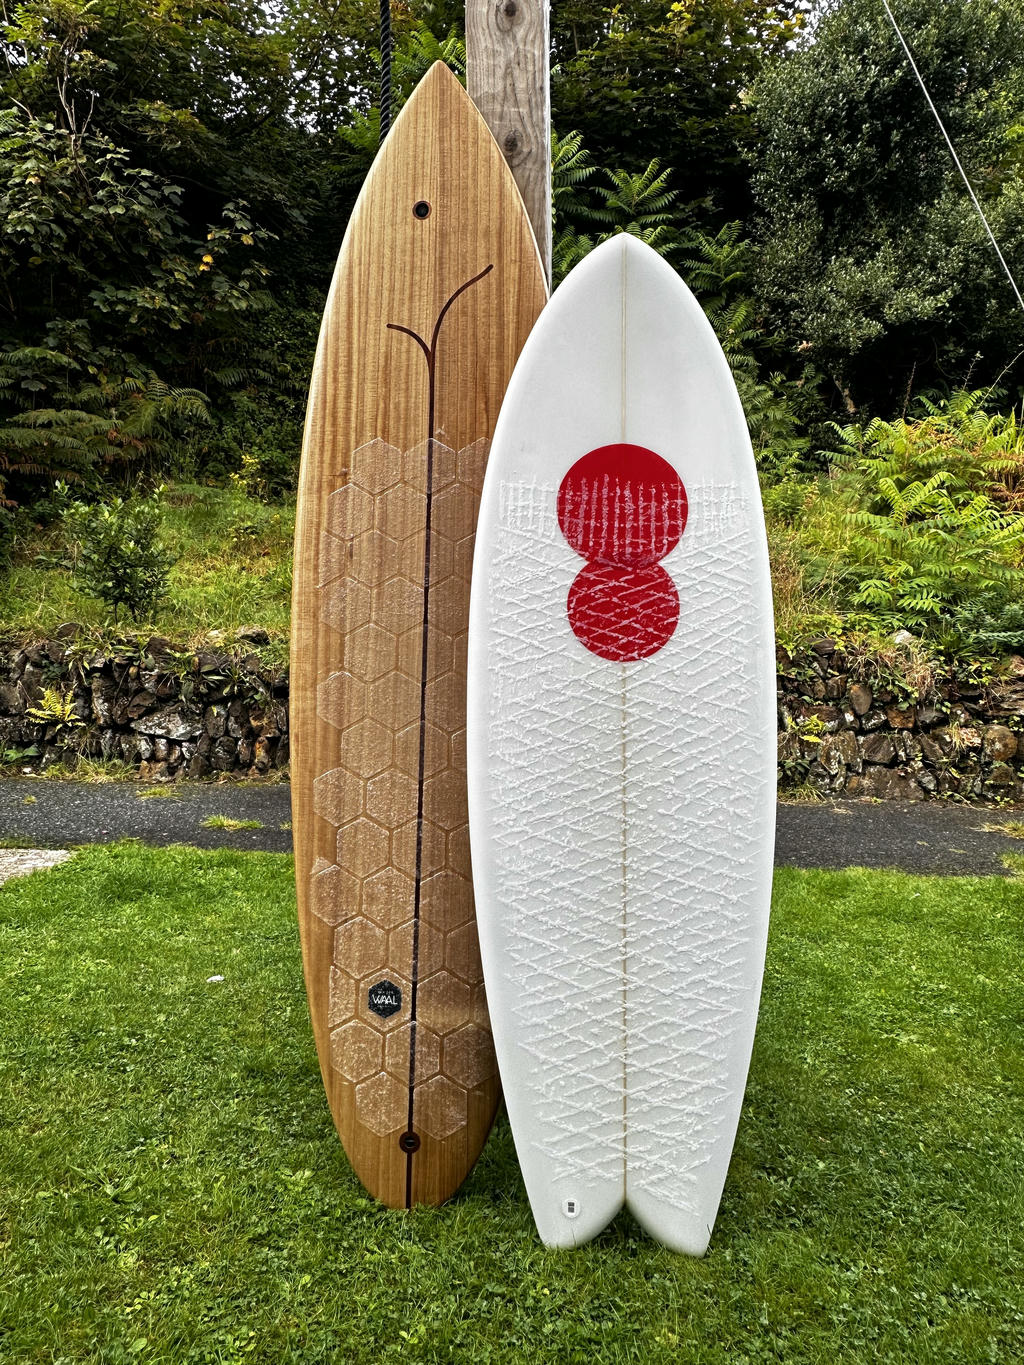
[622, 614]
[623, 508]
[622, 504]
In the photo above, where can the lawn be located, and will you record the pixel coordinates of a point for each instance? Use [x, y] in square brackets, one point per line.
[172, 1189]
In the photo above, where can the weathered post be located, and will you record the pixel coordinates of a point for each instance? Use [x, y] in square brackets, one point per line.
[507, 75]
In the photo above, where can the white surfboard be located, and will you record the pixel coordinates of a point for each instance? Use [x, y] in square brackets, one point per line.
[621, 747]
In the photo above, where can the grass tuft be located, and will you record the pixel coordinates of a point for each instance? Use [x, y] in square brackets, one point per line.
[1013, 829]
[86, 769]
[803, 794]
[229, 823]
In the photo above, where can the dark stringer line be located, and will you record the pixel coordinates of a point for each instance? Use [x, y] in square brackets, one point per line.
[430, 355]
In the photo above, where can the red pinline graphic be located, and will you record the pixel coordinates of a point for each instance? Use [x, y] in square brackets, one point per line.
[622, 508]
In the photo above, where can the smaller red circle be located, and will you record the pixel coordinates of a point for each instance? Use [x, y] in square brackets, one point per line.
[623, 614]
[622, 504]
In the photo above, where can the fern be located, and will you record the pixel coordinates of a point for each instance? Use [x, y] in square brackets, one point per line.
[115, 422]
[586, 214]
[567, 250]
[732, 327]
[56, 709]
[932, 522]
[637, 202]
[411, 62]
[720, 266]
[571, 168]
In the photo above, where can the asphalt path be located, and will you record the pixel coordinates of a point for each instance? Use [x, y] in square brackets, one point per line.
[59, 814]
[926, 837]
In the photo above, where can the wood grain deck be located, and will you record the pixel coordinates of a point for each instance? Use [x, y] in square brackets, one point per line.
[437, 287]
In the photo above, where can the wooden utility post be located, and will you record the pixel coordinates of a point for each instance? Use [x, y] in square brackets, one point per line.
[507, 74]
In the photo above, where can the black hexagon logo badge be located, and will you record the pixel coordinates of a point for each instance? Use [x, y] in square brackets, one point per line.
[385, 999]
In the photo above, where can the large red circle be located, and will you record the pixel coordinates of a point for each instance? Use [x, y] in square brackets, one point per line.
[623, 614]
[622, 504]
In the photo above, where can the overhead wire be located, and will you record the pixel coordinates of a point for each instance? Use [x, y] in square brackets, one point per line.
[952, 152]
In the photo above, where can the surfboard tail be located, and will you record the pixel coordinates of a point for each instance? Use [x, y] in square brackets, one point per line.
[567, 1221]
[689, 1234]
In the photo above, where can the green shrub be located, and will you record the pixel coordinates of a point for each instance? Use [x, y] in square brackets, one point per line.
[116, 554]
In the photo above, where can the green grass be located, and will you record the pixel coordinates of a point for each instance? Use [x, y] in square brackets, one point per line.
[229, 822]
[172, 1188]
[233, 569]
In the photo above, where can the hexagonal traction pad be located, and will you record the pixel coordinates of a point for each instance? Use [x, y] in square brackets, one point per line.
[371, 593]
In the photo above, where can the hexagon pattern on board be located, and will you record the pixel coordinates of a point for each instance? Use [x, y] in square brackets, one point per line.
[371, 592]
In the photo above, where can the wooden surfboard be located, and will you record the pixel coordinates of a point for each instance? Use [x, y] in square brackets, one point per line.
[622, 753]
[437, 286]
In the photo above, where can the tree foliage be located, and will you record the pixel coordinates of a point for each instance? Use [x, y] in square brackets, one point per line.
[149, 163]
[871, 258]
[666, 80]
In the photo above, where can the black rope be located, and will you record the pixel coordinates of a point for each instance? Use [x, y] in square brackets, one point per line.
[385, 68]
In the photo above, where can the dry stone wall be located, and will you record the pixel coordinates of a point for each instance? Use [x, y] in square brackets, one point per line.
[166, 711]
[850, 724]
